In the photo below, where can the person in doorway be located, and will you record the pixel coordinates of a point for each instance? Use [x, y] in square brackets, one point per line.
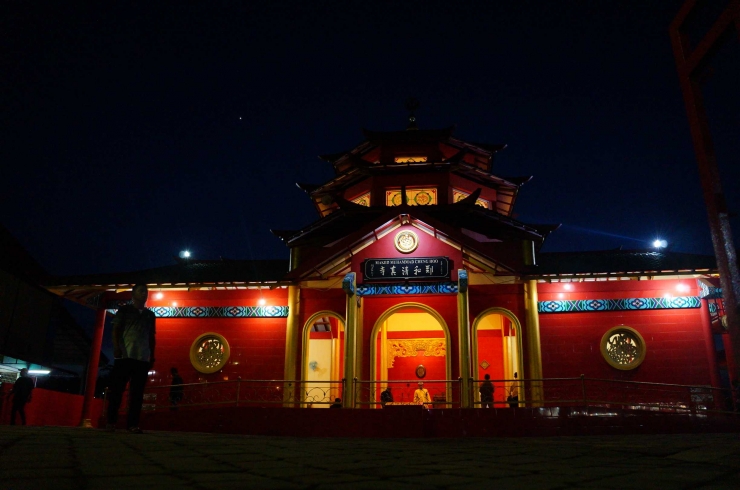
[133, 349]
[486, 392]
[386, 396]
[21, 392]
[421, 395]
[513, 397]
[337, 403]
[175, 389]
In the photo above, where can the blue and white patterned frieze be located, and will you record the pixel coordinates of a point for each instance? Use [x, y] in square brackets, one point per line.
[409, 288]
[709, 292]
[211, 311]
[624, 304]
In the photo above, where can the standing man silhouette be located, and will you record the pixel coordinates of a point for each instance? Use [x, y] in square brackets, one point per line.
[21, 391]
[133, 348]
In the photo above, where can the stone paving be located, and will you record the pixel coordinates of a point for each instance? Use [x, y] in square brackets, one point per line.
[72, 458]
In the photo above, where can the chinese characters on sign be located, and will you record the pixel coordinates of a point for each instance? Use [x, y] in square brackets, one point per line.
[407, 268]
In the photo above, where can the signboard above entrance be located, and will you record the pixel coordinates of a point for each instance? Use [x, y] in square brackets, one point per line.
[406, 268]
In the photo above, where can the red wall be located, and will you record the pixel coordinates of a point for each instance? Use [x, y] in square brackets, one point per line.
[257, 344]
[675, 340]
[49, 408]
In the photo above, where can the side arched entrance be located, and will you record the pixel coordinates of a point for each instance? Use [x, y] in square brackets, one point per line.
[497, 351]
[323, 359]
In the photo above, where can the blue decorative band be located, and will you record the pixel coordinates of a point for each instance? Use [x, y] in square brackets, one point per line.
[409, 288]
[582, 305]
[709, 292]
[212, 311]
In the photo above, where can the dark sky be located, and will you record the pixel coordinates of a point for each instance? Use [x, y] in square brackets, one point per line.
[129, 133]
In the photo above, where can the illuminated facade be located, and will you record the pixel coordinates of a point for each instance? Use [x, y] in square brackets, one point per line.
[417, 271]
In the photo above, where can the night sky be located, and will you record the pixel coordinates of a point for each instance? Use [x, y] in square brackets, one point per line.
[130, 133]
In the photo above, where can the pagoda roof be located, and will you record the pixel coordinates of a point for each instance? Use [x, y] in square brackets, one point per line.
[621, 262]
[184, 273]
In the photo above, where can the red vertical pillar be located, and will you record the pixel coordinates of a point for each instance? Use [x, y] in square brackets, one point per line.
[709, 343]
[92, 368]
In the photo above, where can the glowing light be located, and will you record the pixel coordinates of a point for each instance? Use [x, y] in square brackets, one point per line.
[561, 295]
[174, 303]
[261, 302]
[185, 254]
[568, 287]
[658, 243]
[682, 288]
[667, 295]
[152, 373]
[39, 371]
[159, 295]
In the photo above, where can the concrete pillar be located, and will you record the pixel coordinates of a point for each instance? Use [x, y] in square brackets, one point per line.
[292, 331]
[92, 368]
[349, 285]
[534, 350]
[463, 335]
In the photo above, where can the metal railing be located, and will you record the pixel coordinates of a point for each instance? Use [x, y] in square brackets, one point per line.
[545, 392]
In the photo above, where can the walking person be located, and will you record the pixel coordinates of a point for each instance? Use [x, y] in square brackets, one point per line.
[21, 391]
[133, 348]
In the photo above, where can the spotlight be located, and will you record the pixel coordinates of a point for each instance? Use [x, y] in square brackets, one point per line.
[185, 254]
[159, 295]
[658, 243]
[261, 302]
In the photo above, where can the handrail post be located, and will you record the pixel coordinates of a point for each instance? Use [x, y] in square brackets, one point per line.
[583, 390]
[238, 387]
[354, 392]
[460, 380]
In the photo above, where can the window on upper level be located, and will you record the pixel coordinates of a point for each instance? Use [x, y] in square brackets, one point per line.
[420, 196]
[411, 159]
[363, 200]
[458, 195]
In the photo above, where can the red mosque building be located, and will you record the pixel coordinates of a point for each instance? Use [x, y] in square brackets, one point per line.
[416, 270]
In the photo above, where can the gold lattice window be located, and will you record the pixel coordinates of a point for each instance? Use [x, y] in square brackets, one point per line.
[363, 200]
[458, 195]
[209, 353]
[623, 348]
[410, 159]
[414, 197]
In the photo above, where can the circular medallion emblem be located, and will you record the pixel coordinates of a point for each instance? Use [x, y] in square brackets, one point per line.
[623, 348]
[406, 241]
[421, 371]
[209, 353]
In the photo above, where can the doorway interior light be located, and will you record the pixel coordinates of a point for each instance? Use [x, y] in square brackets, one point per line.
[39, 371]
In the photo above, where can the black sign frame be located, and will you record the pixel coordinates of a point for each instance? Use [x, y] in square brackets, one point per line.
[406, 268]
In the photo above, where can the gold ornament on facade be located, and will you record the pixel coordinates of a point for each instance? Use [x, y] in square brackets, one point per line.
[209, 353]
[406, 241]
[623, 348]
[412, 347]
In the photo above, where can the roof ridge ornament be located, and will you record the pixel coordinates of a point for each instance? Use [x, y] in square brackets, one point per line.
[412, 105]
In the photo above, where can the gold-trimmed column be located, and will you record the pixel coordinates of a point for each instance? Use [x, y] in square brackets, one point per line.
[463, 335]
[292, 330]
[349, 285]
[534, 350]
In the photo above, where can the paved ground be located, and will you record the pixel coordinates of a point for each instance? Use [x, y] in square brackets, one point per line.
[70, 458]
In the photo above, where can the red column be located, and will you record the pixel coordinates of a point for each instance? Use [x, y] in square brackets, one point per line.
[92, 368]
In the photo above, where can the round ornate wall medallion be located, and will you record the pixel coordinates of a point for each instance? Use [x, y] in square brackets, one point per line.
[406, 241]
[623, 348]
[421, 371]
[209, 353]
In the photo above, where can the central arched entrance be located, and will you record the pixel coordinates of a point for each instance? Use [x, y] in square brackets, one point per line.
[410, 342]
[323, 359]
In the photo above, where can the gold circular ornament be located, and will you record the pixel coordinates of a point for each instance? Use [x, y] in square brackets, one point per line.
[209, 353]
[421, 371]
[623, 348]
[406, 241]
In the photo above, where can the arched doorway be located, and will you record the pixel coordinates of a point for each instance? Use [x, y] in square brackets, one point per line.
[497, 351]
[323, 359]
[410, 342]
